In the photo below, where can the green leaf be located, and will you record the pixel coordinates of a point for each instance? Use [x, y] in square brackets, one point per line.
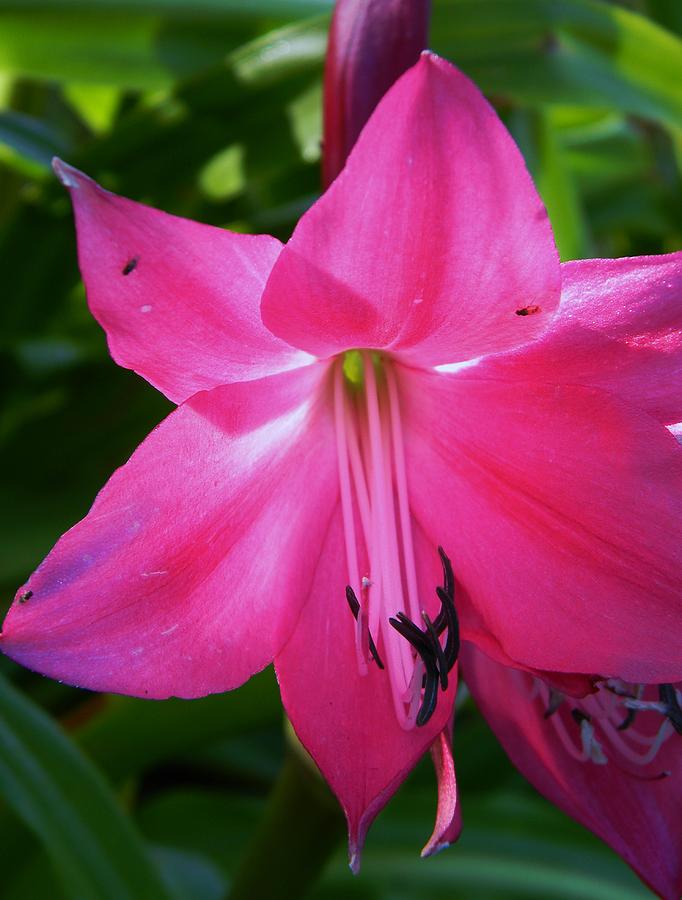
[582, 52]
[197, 9]
[32, 138]
[141, 46]
[546, 158]
[54, 789]
[132, 735]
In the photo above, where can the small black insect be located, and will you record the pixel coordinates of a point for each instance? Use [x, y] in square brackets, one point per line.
[25, 596]
[527, 310]
[130, 266]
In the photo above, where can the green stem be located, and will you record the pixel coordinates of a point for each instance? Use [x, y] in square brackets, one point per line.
[301, 829]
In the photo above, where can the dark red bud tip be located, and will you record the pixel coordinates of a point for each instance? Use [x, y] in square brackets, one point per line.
[371, 44]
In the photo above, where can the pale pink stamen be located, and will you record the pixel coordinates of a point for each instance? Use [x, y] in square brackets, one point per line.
[639, 759]
[360, 455]
[577, 753]
[393, 560]
[403, 502]
[620, 739]
[358, 472]
[347, 510]
[606, 710]
[373, 486]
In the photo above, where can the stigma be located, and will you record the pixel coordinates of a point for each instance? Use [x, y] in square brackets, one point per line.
[382, 589]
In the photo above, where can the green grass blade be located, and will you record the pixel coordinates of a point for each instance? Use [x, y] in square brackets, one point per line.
[55, 790]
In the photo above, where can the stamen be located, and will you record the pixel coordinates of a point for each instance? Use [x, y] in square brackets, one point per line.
[354, 604]
[437, 661]
[347, 507]
[591, 745]
[555, 700]
[358, 473]
[452, 643]
[448, 574]
[437, 651]
[627, 721]
[399, 660]
[401, 484]
[375, 509]
[428, 707]
[604, 710]
[668, 695]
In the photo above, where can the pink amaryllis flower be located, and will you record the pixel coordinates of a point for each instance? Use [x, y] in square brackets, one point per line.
[330, 439]
[611, 759]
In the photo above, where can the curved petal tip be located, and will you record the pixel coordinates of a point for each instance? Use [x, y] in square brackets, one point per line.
[431, 849]
[68, 176]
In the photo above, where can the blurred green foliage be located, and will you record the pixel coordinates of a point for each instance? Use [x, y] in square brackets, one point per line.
[211, 109]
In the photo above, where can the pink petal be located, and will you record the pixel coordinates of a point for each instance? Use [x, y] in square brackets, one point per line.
[188, 573]
[449, 813]
[561, 510]
[347, 721]
[619, 327]
[186, 316]
[370, 46]
[429, 242]
[639, 818]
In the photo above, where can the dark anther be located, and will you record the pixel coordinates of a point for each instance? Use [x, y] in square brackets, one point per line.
[527, 310]
[579, 716]
[130, 266]
[437, 650]
[556, 698]
[627, 721]
[353, 601]
[452, 625]
[448, 574]
[438, 660]
[422, 644]
[668, 695]
[25, 596]
[447, 617]
[354, 604]
[428, 707]
[414, 636]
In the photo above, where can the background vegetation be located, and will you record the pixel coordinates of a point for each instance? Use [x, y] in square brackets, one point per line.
[211, 109]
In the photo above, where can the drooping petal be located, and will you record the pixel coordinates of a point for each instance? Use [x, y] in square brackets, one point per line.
[345, 720]
[179, 301]
[561, 510]
[619, 328]
[637, 815]
[190, 568]
[370, 45]
[448, 823]
[432, 242]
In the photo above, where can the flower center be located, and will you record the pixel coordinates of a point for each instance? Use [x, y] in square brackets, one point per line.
[382, 573]
[623, 724]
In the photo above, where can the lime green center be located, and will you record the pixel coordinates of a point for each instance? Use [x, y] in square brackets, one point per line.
[354, 369]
